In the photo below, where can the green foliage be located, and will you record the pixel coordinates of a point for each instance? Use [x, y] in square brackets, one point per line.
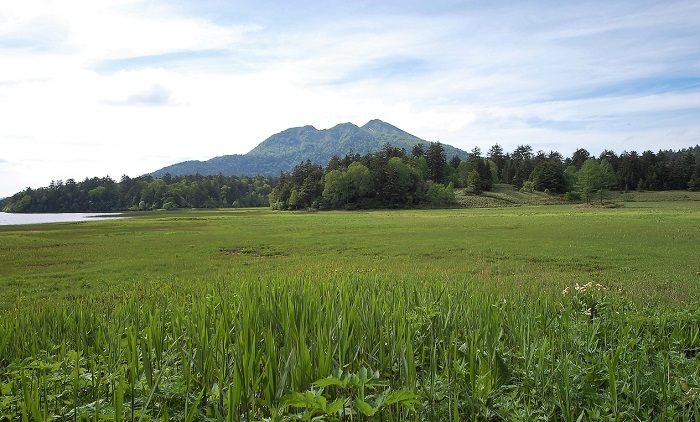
[143, 193]
[351, 185]
[570, 178]
[609, 179]
[400, 182]
[503, 195]
[483, 169]
[353, 393]
[300, 189]
[527, 187]
[440, 350]
[549, 175]
[474, 182]
[589, 179]
[437, 162]
[257, 315]
[439, 195]
[655, 171]
[678, 170]
[572, 196]
[579, 157]
[283, 151]
[665, 170]
[694, 182]
[293, 200]
[386, 179]
[594, 177]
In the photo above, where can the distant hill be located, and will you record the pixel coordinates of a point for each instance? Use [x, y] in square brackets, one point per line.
[283, 151]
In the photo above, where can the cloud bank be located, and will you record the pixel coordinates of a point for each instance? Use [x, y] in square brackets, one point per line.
[126, 87]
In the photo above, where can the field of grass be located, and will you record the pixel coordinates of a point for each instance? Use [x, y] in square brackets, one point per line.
[521, 313]
[505, 195]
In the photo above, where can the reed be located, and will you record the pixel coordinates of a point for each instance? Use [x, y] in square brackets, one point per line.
[497, 340]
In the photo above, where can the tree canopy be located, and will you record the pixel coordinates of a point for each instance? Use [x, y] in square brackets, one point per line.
[387, 178]
[143, 193]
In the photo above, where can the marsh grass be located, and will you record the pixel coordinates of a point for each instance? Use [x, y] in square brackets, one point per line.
[646, 250]
[291, 347]
[550, 313]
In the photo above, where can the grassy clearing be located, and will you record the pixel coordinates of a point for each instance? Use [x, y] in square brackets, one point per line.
[652, 196]
[400, 315]
[504, 195]
[647, 251]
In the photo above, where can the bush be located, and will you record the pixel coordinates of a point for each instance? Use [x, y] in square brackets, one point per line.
[528, 187]
[572, 196]
[440, 195]
[279, 205]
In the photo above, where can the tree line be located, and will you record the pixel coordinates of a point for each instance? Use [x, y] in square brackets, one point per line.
[394, 178]
[143, 193]
[582, 173]
[388, 178]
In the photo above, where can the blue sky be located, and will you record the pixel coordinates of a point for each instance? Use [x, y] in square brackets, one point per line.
[126, 87]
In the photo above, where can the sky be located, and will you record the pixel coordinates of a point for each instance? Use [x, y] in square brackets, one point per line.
[106, 88]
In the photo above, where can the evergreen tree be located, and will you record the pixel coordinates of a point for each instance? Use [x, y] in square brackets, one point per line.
[549, 175]
[437, 162]
[694, 182]
[495, 154]
[418, 150]
[579, 157]
[629, 172]
[474, 182]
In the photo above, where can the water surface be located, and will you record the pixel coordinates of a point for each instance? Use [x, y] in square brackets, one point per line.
[12, 219]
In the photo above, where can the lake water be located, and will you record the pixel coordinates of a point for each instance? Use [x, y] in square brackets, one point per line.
[11, 219]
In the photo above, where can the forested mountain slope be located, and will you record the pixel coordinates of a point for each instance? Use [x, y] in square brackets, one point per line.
[283, 151]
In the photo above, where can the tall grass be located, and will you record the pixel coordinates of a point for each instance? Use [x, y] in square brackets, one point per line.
[549, 313]
[350, 348]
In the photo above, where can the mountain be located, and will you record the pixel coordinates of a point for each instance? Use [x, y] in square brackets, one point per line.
[283, 151]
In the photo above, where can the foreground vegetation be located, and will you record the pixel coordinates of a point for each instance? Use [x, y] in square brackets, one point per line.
[522, 313]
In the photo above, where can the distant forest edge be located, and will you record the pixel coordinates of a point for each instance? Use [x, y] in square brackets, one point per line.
[391, 177]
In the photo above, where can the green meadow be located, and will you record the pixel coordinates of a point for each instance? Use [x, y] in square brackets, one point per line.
[550, 312]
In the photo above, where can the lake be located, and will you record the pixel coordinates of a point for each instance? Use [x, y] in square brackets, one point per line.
[11, 219]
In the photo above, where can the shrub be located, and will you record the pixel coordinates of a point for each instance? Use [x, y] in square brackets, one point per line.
[572, 196]
[528, 187]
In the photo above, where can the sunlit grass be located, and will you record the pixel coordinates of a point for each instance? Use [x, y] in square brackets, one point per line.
[552, 313]
[648, 252]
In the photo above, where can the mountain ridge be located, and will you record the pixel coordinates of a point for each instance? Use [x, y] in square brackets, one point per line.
[286, 149]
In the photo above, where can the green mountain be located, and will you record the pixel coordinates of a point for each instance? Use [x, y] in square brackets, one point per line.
[283, 151]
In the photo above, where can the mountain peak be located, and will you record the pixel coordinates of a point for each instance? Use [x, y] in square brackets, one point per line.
[286, 149]
[377, 126]
[375, 122]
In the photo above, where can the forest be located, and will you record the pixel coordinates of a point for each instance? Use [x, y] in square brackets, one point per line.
[393, 178]
[388, 178]
[143, 193]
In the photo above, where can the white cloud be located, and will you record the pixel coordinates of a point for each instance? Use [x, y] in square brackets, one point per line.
[127, 86]
[156, 95]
